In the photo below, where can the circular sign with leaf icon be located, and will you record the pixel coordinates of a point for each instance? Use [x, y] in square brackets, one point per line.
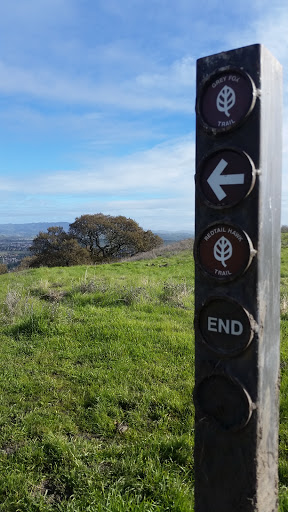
[226, 99]
[224, 251]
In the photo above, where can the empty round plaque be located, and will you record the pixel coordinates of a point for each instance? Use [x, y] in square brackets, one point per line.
[225, 401]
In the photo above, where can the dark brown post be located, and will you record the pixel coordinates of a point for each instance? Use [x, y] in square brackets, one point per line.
[237, 255]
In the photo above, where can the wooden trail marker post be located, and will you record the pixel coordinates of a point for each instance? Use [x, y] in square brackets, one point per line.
[237, 255]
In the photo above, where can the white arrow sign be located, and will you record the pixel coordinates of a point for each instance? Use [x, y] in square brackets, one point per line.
[216, 179]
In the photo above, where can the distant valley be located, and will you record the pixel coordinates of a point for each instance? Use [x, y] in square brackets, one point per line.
[15, 239]
[29, 230]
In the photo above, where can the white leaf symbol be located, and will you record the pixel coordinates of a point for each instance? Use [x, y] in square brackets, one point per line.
[223, 250]
[226, 100]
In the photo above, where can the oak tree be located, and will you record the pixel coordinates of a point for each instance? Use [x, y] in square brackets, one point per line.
[57, 248]
[107, 237]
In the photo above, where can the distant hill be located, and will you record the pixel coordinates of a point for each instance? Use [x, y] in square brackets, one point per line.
[30, 230]
[170, 237]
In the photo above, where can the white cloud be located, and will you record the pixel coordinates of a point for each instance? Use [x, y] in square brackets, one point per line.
[160, 92]
[161, 180]
[76, 68]
[177, 76]
[40, 11]
[170, 213]
[166, 167]
[157, 214]
[91, 129]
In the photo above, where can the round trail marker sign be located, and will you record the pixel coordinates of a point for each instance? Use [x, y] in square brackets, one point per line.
[226, 99]
[225, 326]
[224, 251]
[225, 401]
[226, 177]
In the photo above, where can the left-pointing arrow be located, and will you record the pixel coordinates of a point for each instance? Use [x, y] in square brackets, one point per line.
[216, 179]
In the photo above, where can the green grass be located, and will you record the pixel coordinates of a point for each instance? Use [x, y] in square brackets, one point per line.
[97, 378]
[97, 367]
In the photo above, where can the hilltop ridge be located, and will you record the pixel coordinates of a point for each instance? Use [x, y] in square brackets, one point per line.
[31, 229]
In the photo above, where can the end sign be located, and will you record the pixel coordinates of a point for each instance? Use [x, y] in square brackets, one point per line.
[237, 274]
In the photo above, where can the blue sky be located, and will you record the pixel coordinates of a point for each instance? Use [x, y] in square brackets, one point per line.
[97, 103]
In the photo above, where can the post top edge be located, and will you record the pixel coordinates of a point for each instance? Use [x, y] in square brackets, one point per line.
[253, 47]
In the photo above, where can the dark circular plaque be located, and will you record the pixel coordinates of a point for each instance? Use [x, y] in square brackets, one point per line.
[224, 251]
[225, 326]
[225, 401]
[226, 99]
[226, 177]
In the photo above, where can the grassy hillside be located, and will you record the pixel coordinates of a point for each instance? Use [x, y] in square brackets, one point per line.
[96, 389]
